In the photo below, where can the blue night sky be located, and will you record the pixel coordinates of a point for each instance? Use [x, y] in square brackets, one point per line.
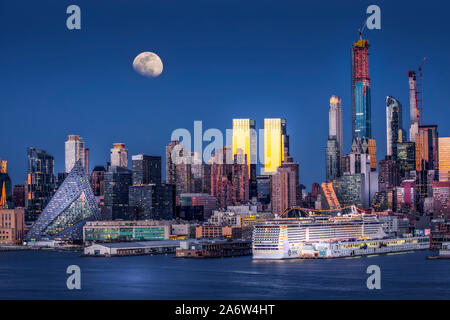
[222, 60]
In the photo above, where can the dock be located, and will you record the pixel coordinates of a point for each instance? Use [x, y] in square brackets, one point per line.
[214, 249]
[120, 249]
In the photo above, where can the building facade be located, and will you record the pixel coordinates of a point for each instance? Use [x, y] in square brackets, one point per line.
[6, 197]
[75, 150]
[19, 196]
[361, 100]
[332, 159]
[98, 181]
[284, 189]
[413, 107]
[244, 139]
[12, 224]
[444, 159]
[146, 169]
[68, 210]
[117, 183]
[335, 122]
[40, 184]
[119, 155]
[276, 144]
[350, 190]
[117, 231]
[394, 128]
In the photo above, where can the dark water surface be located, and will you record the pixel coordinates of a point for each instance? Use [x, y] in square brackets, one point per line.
[42, 275]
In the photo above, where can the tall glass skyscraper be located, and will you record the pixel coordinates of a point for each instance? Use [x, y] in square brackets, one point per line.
[394, 129]
[40, 183]
[427, 144]
[333, 159]
[146, 169]
[276, 144]
[361, 102]
[244, 138]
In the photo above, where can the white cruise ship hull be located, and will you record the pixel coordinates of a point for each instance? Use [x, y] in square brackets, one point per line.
[327, 237]
[341, 249]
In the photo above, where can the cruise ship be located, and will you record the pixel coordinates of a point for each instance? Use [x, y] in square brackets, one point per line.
[328, 237]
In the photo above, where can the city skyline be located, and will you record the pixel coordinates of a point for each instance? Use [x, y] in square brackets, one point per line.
[208, 146]
[305, 108]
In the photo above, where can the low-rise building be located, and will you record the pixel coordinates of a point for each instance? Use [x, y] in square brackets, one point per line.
[12, 226]
[136, 230]
[131, 248]
[225, 218]
[211, 231]
[394, 225]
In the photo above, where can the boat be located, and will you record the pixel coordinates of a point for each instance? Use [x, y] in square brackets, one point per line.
[444, 252]
[318, 236]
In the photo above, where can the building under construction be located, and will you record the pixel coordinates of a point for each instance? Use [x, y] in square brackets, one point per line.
[361, 124]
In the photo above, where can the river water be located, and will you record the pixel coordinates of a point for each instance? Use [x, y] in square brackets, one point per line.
[42, 275]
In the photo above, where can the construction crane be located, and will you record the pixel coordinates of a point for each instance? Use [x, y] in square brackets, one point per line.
[420, 93]
[360, 31]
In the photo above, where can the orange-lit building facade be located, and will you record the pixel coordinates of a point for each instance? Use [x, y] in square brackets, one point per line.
[210, 231]
[444, 159]
[276, 144]
[427, 157]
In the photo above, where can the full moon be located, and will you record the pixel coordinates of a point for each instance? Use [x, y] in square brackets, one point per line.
[148, 64]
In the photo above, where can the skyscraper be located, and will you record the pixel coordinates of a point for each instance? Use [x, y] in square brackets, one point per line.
[152, 201]
[334, 149]
[276, 144]
[170, 164]
[427, 154]
[284, 189]
[244, 138]
[241, 185]
[394, 129]
[406, 159]
[332, 159]
[413, 107]
[361, 102]
[335, 121]
[98, 181]
[119, 155]
[146, 169]
[40, 183]
[75, 150]
[388, 177]
[222, 176]
[263, 183]
[117, 183]
[444, 159]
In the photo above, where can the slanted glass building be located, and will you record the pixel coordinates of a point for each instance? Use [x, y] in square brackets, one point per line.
[68, 210]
